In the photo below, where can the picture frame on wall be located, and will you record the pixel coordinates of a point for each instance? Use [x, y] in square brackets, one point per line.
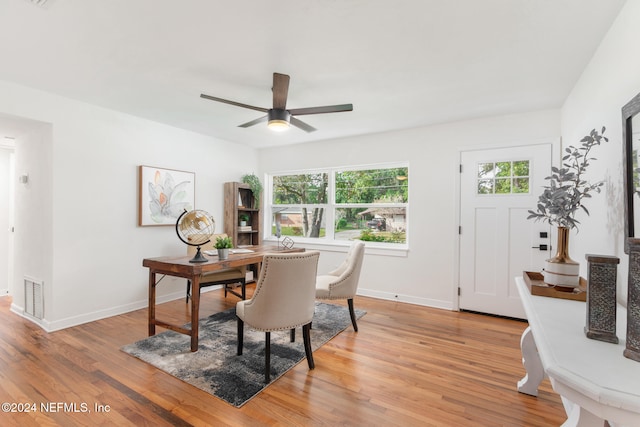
[163, 194]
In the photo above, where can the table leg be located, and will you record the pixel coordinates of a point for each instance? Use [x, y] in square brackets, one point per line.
[580, 417]
[152, 303]
[532, 364]
[195, 308]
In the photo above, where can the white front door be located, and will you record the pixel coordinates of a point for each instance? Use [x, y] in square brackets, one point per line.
[497, 242]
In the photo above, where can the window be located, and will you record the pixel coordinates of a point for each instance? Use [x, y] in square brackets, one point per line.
[299, 203]
[367, 203]
[511, 177]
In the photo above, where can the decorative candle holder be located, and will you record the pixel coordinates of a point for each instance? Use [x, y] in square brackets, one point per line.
[632, 350]
[601, 297]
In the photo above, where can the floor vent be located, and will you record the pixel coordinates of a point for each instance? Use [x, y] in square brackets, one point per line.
[33, 298]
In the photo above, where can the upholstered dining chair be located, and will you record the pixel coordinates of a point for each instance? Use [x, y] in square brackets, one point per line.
[226, 277]
[284, 299]
[342, 283]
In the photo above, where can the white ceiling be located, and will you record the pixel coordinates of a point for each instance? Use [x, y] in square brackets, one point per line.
[403, 63]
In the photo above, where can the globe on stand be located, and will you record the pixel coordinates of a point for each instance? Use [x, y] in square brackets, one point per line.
[195, 228]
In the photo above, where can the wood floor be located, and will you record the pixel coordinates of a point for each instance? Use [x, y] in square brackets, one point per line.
[407, 366]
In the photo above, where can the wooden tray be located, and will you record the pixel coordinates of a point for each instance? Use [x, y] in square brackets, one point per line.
[536, 285]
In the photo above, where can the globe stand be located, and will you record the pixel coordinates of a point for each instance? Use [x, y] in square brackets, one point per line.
[198, 257]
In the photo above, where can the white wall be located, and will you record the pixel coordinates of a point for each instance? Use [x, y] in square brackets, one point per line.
[427, 275]
[33, 242]
[610, 80]
[76, 220]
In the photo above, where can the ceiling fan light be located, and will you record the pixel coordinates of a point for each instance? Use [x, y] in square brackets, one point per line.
[278, 120]
[278, 125]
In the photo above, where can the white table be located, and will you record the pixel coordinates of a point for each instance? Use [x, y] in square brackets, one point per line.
[596, 382]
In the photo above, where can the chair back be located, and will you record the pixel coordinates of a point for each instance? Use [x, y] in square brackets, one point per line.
[191, 250]
[285, 293]
[348, 273]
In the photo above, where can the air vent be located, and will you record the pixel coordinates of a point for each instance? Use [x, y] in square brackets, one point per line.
[33, 297]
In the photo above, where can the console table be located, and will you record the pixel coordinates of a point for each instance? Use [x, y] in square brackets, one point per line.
[181, 267]
[595, 381]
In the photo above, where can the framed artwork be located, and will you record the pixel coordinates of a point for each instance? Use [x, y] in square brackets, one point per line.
[163, 194]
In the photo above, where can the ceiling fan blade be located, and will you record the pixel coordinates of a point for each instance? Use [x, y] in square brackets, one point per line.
[321, 110]
[254, 122]
[280, 91]
[302, 125]
[237, 104]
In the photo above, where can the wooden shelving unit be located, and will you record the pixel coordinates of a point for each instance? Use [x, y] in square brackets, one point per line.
[238, 200]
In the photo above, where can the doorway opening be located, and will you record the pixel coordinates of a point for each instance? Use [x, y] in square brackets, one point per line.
[7, 168]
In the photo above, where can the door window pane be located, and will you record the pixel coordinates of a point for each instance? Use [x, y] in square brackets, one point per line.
[521, 168]
[485, 186]
[485, 170]
[503, 169]
[503, 177]
[521, 185]
[503, 186]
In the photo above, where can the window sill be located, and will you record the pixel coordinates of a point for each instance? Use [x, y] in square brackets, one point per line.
[371, 248]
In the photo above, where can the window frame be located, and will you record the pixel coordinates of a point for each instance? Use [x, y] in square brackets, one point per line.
[331, 206]
[494, 178]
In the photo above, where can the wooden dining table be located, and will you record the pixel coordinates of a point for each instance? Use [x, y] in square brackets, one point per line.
[180, 266]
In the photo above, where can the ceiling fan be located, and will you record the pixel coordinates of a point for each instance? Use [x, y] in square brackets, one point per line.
[278, 117]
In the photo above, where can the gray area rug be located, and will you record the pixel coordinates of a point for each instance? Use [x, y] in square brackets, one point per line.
[215, 367]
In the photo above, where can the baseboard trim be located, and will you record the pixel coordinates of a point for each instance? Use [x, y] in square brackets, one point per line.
[16, 309]
[426, 302]
[52, 326]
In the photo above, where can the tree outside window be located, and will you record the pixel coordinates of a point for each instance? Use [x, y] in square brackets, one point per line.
[308, 194]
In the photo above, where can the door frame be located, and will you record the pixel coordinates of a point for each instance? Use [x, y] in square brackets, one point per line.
[556, 151]
[9, 211]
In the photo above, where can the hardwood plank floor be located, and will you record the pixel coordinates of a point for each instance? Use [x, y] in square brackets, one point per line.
[408, 366]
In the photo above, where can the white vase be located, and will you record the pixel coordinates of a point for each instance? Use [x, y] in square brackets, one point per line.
[561, 271]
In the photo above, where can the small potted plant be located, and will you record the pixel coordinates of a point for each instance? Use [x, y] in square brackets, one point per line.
[223, 244]
[244, 218]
